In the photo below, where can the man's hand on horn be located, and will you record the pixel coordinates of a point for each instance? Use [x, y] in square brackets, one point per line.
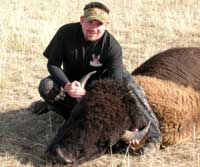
[74, 89]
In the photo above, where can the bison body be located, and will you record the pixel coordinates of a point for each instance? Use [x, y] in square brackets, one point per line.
[178, 65]
[171, 81]
[176, 107]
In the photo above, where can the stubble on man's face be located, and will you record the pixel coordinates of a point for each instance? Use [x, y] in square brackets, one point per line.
[92, 30]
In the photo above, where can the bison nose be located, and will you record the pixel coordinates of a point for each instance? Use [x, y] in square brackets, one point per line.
[64, 157]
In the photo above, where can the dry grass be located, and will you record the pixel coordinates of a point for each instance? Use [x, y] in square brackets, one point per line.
[143, 27]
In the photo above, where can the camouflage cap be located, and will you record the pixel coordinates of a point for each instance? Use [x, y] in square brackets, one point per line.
[96, 14]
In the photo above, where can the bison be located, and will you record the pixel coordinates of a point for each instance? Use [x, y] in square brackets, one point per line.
[171, 81]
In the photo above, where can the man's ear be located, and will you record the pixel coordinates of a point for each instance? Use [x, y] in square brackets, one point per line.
[81, 19]
[107, 24]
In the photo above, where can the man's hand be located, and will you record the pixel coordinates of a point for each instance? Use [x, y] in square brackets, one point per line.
[74, 89]
[136, 144]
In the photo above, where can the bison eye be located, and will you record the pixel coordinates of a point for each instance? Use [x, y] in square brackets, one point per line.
[102, 143]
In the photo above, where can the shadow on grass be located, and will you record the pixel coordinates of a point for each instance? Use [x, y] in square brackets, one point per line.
[25, 136]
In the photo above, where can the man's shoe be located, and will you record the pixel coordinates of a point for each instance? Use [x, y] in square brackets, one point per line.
[39, 107]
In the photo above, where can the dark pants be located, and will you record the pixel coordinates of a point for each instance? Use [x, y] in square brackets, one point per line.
[143, 108]
[55, 97]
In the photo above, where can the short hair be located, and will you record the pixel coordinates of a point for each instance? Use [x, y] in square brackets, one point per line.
[97, 5]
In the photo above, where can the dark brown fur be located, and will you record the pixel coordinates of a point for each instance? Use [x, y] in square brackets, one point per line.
[96, 123]
[180, 65]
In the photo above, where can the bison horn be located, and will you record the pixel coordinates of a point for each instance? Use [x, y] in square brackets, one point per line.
[85, 78]
[136, 135]
[83, 82]
[62, 156]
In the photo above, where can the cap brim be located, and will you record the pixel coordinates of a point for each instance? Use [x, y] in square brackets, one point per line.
[90, 18]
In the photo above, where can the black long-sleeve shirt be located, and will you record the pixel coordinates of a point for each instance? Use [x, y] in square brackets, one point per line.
[79, 57]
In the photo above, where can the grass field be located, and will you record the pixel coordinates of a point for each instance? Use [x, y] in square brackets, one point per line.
[143, 27]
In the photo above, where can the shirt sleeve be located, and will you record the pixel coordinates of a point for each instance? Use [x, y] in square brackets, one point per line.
[114, 64]
[55, 50]
[58, 75]
[54, 53]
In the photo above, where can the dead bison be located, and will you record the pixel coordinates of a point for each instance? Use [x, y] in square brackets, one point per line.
[171, 80]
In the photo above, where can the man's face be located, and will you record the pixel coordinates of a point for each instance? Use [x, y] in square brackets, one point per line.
[92, 30]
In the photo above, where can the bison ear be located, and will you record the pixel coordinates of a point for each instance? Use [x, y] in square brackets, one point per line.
[114, 138]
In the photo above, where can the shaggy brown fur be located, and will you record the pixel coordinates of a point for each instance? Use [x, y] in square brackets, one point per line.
[176, 107]
[96, 123]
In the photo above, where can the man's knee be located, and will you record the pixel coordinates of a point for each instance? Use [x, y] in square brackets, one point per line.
[48, 89]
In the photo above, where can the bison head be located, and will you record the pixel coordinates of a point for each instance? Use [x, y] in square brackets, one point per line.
[97, 122]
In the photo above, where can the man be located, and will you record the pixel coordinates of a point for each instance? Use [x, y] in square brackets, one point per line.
[81, 48]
